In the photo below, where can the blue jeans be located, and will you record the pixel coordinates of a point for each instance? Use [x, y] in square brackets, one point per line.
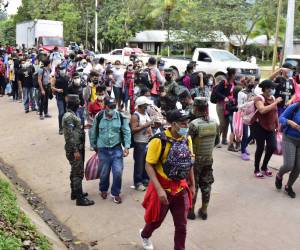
[139, 155]
[126, 96]
[111, 159]
[61, 106]
[244, 143]
[27, 97]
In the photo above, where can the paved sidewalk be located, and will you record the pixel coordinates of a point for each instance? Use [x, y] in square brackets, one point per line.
[245, 213]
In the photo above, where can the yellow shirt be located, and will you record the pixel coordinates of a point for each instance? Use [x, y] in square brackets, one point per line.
[154, 151]
[93, 93]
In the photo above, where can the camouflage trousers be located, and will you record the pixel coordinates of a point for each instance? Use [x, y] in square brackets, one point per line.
[77, 171]
[203, 179]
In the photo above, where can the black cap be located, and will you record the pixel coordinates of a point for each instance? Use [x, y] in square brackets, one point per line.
[177, 115]
[267, 84]
[73, 98]
[200, 102]
[288, 66]
[110, 102]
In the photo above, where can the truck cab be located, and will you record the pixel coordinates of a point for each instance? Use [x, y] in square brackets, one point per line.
[47, 43]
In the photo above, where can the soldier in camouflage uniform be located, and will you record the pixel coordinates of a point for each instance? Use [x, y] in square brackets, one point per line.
[204, 132]
[74, 137]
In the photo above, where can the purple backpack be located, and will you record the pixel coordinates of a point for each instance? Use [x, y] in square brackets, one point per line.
[179, 159]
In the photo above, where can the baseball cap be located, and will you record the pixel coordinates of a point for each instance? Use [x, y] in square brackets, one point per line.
[177, 115]
[142, 100]
[268, 84]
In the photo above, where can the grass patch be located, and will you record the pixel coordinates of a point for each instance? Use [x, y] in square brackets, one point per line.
[16, 231]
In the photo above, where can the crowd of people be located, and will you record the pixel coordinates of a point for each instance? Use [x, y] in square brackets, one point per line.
[165, 120]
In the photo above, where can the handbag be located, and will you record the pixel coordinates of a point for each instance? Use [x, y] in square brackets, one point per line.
[92, 170]
[278, 150]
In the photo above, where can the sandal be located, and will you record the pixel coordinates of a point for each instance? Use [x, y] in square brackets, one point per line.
[259, 175]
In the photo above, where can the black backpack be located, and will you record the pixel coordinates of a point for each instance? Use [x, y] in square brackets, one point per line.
[143, 78]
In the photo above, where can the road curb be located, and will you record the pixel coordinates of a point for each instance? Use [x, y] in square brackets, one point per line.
[33, 206]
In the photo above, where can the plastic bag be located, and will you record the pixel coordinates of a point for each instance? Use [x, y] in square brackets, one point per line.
[238, 125]
[92, 171]
[278, 150]
[8, 89]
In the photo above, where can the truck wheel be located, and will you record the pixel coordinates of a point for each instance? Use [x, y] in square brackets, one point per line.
[175, 73]
[220, 78]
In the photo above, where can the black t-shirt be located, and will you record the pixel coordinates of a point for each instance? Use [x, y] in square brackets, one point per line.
[284, 89]
[61, 83]
[74, 90]
[25, 75]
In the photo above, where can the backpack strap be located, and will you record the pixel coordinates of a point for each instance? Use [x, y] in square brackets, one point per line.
[98, 118]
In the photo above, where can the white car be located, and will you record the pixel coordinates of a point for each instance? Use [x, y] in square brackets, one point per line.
[214, 62]
[123, 55]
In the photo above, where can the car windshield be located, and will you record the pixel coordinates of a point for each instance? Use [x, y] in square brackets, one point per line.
[53, 41]
[294, 62]
[223, 56]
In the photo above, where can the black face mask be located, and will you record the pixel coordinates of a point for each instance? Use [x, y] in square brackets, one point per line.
[168, 78]
[250, 87]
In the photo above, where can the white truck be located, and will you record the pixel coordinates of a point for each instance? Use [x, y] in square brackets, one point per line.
[123, 55]
[45, 34]
[214, 62]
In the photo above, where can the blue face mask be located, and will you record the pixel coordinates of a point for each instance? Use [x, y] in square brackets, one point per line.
[183, 131]
[110, 112]
[290, 74]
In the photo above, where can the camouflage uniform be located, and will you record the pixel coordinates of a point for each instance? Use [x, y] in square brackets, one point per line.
[203, 133]
[75, 139]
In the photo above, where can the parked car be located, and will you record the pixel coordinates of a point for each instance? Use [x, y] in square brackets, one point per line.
[214, 62]
[124, 55]
[294, 60]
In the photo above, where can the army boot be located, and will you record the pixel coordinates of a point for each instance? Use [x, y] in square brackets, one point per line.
[74, 195]
[202, 212]
[191, 215]
[83, 201]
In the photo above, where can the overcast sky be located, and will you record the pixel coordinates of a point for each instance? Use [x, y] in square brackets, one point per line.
[13, 6]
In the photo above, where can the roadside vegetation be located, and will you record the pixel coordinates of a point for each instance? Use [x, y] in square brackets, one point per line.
[16, 231]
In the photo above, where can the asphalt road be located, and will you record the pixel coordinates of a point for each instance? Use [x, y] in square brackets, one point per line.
[244, 213]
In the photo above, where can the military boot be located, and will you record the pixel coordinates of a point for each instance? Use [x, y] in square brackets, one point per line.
[191, 215]
[83, 201]
[202, 212]
[74, 195]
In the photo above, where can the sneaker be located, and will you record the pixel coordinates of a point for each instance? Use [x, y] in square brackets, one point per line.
[247, 151]
[103, 195]
[147, 244]
[267, 173]
[278, 182]
[259, 175]
[140, 188]
[224, 142]
[238, 146]
[26, 111]
[219, 145]
[47, 116]
[41, 117]
[232, 148]
[61, 132]
[290, 192]
[116, 199]
[245, 157]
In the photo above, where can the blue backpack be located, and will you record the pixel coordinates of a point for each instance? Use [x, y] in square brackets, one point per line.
[179, 160]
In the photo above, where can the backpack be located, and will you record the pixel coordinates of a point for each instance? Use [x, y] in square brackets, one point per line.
[179, 160]
[195, 79]
[213, 95]
[142, 78]
[249, 110]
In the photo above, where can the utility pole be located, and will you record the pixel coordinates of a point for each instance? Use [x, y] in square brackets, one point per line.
[86, 29]
[289, 33]
[96, 25]
[276, 35]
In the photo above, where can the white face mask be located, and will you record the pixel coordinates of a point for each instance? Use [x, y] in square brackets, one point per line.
[100, 97]
[272, 92]
[77, 81]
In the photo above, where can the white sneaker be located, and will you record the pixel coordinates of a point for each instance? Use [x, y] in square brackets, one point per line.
[147, 244]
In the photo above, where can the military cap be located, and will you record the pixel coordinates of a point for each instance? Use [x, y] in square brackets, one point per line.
[168, 71]
[73, 98]
[200, 101]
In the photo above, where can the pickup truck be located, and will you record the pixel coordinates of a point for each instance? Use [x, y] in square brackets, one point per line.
[214, 62]
[123, 55]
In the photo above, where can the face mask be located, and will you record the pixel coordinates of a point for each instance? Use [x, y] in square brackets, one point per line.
[77, 82]
[84, 65]
[117, 66]
[62, 72]
[250, 87]
[290, 74]
[210, 82]
[100, 97]
[95, 81]
[272, 92]
[110, 112]
[168, 78]
[130, 68]
[183, 131]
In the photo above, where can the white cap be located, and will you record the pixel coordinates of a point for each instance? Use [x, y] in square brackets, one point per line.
[142, 100]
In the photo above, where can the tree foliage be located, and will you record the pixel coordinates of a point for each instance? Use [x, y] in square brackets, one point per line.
[120, 20]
